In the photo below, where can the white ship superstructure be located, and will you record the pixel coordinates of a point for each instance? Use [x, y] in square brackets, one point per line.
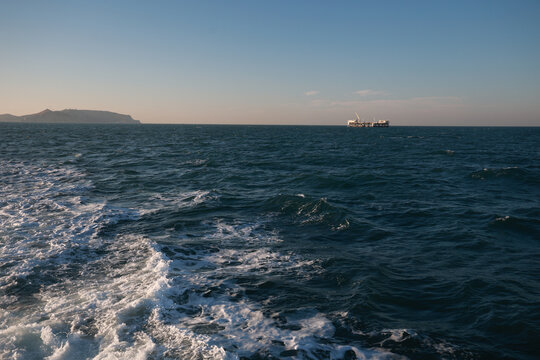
[361, 123]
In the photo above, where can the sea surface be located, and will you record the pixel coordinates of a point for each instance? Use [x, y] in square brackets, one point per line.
[269, 242]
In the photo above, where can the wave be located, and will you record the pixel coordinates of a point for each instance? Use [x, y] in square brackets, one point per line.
[447, 152]
[207, 288]
[516, 224]
[175, 201]
[306, 210]
[137, 302]
[403, 341]
[46, 220]
[511, 173]
[105, 295]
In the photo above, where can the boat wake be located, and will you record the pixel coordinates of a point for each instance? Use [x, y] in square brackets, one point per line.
[72, 290]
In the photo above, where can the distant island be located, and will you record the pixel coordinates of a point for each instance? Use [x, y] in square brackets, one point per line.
[71, 116]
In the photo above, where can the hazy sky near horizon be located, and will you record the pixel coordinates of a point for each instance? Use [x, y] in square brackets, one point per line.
[281, 62]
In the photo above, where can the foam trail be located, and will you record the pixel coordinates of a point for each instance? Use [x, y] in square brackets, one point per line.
[202, 287]
[122, 297]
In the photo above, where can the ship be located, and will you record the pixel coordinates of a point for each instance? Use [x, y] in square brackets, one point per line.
[361, 123]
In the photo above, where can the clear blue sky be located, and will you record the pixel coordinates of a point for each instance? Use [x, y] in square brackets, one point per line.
[284, 62]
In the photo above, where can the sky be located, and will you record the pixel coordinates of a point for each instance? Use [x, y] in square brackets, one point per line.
[429, 63]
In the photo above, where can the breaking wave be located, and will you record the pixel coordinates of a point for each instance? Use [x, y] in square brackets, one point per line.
[126, 296]
[218, 242]
[511, 173]
[306, 210]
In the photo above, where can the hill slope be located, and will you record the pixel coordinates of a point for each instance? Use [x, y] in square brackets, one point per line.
[72, 116]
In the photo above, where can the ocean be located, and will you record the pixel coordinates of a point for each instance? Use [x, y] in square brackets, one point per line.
[269, 242]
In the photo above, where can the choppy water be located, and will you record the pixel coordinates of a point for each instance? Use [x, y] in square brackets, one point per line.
[261, 242]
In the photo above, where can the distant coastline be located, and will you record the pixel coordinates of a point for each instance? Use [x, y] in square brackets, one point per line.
[71, 116]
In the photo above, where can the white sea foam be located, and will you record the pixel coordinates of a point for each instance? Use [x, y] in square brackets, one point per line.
[400, 335]
[96, 315]
[38, 230]
[125, 306]
[128, 300]
[241, 327]
[45, 222]
[397, 335]
[188, 199]
[247, 233]
[40, 216]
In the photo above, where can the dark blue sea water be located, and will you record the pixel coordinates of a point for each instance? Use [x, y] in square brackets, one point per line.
[267, 242]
